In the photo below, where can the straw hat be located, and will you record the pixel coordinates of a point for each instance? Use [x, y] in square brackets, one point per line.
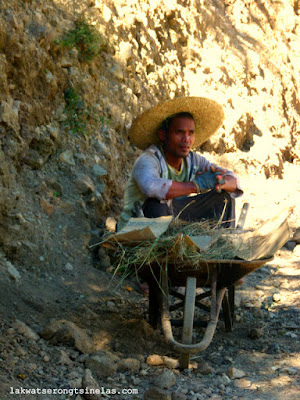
[208, 116]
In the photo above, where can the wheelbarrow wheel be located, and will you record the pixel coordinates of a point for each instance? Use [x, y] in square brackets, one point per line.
[188, 320]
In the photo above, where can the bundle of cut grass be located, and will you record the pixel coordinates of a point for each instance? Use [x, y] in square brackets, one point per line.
[182, 244]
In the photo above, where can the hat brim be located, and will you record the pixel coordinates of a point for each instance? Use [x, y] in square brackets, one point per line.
[208, 116]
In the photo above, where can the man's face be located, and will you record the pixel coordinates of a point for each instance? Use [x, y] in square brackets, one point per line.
[181, 137]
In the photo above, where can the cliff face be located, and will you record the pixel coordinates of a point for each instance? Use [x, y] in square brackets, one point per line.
[64, 161]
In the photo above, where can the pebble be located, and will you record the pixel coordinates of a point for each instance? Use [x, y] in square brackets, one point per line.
[103, 365]
[165, 380]
[242, 383]
[129, 364]
[256, 333]
[155, 393]
[276, 297]
[171, 363]
[154, 360]
[290, 370]
[13, 272]
[205, 369]
[235, 373]
[24, 330]
[178, 396]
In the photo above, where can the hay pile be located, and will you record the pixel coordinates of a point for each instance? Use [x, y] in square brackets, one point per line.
[173, 247]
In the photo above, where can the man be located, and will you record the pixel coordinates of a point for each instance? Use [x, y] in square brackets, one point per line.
[169, 178]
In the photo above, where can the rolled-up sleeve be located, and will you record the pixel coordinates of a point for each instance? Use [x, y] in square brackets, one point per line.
[146, 173]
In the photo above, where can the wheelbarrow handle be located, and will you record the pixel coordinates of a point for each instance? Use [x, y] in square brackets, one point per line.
[216, 297]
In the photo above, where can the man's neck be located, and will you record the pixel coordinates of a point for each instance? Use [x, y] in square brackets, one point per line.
[175, 162]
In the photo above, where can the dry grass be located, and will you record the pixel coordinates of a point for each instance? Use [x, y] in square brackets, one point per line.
[172, 248]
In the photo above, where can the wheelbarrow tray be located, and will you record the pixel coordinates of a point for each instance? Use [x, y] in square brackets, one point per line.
[228, 271]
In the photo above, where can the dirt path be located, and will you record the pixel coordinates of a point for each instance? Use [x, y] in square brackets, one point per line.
[263, 348]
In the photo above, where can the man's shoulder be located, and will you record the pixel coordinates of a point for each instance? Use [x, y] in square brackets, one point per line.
[152, 151]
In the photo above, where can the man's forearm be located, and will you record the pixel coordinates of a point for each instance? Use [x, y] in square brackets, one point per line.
[178, 189]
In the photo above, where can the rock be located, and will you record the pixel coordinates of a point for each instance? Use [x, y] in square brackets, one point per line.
[224, 380]
[205, 369]
[47, 207]
[85, 184]
[34, 159]
[98, 171]
[178, 396]
[154, 360]
[12, 271]
[69, 267]
[117, 72]
[171, 363]
[235, 373]
[67, 332]
[67, 157]
[103, 365]
[242, 383]
[276, 297]
[110, 224]
[296, 236]
[9, 113]
[165, 380]
[290, 245]
[289, 370]
[129, 364]
[65, 359]
[89, 382]
[155, 393]
[104, 259]
[296, 251]
[24, 330]
[256, 333]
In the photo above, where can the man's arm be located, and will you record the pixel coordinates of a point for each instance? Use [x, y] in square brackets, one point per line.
[179, 189]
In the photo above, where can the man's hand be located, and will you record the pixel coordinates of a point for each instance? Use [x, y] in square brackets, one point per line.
[228, 183]
[210, 179]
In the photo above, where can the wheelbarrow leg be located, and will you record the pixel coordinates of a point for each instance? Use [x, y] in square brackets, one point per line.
[155, 301]
[188, 319]
[227, 313]
[228, 308]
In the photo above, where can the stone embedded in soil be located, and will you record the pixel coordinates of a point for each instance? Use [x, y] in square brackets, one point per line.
[171, 363]
[129, 364]
[155, 393]
[242, 383]
[204, 368]
[296, 252]
[276, 297]
[155, 360]
[178, 396]
[256, 333]
[67, 332]
[296, 236]
[85, 184]
[103, 364]
[165, 380]
[235, 373]
[24, 330]
[88, 382]
[12, 271]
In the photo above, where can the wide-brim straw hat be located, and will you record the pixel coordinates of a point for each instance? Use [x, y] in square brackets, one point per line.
[208, 116]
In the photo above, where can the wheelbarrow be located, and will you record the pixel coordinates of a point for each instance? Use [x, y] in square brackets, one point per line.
[216, 277]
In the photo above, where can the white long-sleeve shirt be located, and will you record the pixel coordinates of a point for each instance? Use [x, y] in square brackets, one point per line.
[149, 178]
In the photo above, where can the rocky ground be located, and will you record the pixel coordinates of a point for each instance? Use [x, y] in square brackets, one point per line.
[82, 329]
[58, 186]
